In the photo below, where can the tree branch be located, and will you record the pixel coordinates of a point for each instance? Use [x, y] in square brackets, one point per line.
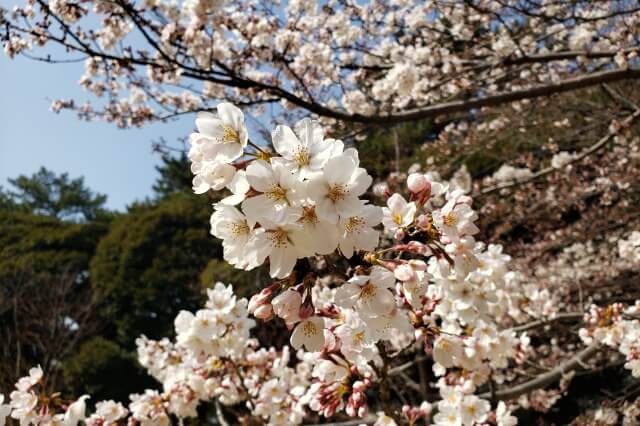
[535, 324]
[548, 170]
[547, 378]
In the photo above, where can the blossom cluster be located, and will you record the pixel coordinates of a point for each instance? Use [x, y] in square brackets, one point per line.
[213, 357]
[299, 203]
[29, 404]
[358, 286]
[303, 201]
[617, 327]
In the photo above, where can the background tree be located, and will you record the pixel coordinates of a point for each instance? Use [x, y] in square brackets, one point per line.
[46, 305]
[148, 266]
[46, 193]
[174, 175]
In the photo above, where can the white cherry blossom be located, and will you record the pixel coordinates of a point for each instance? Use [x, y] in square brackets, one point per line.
[232, 227]
[283, 245]
[398, 213]
[336, 190]
[370, 294]
[222, 137]
[309, 333]
[356, 231]
[306, 150]
[279, 188]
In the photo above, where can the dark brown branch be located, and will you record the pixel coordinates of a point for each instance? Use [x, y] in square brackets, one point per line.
[578, 360]
[548, 170]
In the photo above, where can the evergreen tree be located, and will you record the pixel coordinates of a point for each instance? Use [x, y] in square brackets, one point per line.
[175, 175]
[49, 194]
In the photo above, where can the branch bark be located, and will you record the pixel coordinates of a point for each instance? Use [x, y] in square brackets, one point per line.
[502, 98]
[559, 317]
[548, 170]
[546, 379]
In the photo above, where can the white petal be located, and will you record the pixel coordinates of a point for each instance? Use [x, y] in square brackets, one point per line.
[260, 175]
[339, 170]
[208, 124]
[231, 115]
[284, 141]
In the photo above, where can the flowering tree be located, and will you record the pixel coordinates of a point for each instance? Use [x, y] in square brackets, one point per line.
[376, 63]
[369, 293]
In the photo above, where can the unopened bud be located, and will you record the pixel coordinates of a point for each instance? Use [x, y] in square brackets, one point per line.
[263, 312]
[417, 182]
[423, 221]
[306, 311]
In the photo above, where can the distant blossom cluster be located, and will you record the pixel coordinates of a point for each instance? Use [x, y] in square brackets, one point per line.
[342, 57]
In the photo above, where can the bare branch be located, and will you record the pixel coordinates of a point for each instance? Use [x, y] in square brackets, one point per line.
[548, 170]
[548, 378]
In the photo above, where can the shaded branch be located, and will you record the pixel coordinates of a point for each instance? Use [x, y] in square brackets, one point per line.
[548, 170]
[539, 323]
[578, 360]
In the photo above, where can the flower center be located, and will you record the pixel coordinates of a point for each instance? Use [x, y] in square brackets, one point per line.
[368, 291]
[278, 238]
[302, 156]
[450, 220]
[397, 219]
[309, 216]
[229, 135]
[354, 224]
[309, 329]
[337, 192]
[276, 193]
[239, 228]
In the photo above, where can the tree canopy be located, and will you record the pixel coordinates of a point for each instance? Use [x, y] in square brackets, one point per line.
[50, 194]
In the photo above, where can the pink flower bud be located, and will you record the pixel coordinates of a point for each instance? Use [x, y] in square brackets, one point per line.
[261, 298]
[287, 304]
[405, 410]
[399, 234]
[417, 247]
[422, 221]
[306, 311]
[417, 182]
[263, 312]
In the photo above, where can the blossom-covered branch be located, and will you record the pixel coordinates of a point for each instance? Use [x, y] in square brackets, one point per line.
[364, 63]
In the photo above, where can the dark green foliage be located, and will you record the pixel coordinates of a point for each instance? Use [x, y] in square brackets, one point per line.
[104, 370]
[7, 202]
[245, 283]
[125, 277]
[44, 278]
[175, 175]
[148, 267]
[41, 244]
[49, 194]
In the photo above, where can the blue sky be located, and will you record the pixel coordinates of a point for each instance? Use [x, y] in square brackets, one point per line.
[116, 162]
